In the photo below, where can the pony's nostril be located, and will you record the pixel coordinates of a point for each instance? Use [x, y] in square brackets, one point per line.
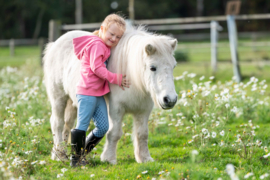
[166, 100]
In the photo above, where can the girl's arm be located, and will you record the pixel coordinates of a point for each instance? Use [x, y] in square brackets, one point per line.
[95, 56]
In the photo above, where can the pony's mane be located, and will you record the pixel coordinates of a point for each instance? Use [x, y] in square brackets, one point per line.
[127, 57]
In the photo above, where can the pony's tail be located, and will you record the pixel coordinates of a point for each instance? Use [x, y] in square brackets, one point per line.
[46, 53]
[46, 50]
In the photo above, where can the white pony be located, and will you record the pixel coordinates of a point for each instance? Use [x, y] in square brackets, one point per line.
[147, 60]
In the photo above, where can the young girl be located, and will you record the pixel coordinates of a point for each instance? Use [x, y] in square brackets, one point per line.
[93, 51]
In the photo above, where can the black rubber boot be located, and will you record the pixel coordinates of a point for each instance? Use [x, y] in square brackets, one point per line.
[77, 147]
[91, 142]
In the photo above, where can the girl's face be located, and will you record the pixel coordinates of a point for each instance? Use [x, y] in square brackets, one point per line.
[112, 36]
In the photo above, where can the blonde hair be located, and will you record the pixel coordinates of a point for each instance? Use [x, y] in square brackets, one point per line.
[112, 19]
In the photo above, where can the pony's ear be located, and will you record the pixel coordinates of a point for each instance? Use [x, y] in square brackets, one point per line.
[149, 49]
[173, 43]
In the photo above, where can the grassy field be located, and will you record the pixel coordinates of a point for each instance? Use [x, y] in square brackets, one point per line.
[218, 129]
[21, 55]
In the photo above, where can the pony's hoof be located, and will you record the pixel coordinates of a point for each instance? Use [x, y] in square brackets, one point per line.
[148, 159]
[112, 161]
[59, 157]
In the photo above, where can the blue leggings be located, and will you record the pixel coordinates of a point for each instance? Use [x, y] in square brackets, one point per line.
[95, 108]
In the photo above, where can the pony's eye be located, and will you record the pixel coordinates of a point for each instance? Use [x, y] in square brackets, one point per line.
[152, 68]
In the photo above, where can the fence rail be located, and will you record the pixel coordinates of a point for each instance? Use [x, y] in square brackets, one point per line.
[150, 22]
[200, 19]
[19, 42]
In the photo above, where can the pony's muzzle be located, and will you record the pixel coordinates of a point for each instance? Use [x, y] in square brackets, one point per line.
[169, 102]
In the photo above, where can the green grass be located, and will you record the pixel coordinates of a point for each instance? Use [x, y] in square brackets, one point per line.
[170, 144]
[21, 55]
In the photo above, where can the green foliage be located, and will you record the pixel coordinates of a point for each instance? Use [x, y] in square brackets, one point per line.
[180, 56]
[29, 18]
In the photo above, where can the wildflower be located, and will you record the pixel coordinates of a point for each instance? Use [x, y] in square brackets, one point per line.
[231, 172]
[201, 78]
[34, 162]
[217, 123]
[212, 77]
[179, 77]
[195, 152]
[191, 75]
[204, 131]
[264, 176]
[222, 143]
[253, 79]
[267, 155]
[207, 136]
[144, 172]
[28, 152]
[259, 143]
[248, 175]
[63, 170]
[193, 155]
[92, 175]
[42, 162]
[227, 105]
[214, 134]
[222, 133]
[161, 172]
[139, 176]
[59, 175]
[206, 93]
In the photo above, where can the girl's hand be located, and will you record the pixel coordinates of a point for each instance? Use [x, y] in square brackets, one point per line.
[125, 82]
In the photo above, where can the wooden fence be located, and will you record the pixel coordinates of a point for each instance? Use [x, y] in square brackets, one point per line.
[156, 24]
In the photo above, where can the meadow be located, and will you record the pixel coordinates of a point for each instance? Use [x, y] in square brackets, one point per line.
[217, 130]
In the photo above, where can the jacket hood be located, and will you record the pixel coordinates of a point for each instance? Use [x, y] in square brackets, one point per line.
[83, 42]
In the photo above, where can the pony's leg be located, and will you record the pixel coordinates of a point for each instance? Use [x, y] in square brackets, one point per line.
[70, 117]
[57, 124]
[113, 135]
[140, 135]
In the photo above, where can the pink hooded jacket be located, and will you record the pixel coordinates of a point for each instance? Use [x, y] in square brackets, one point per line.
[94, 76]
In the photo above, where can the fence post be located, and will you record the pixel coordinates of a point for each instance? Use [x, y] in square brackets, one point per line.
[214, 44]
[233, 46]
[11, 47]
[41, 43]
[54, 30]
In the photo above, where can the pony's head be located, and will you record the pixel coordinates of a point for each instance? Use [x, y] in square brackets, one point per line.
[148, 61]
[159, 63]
